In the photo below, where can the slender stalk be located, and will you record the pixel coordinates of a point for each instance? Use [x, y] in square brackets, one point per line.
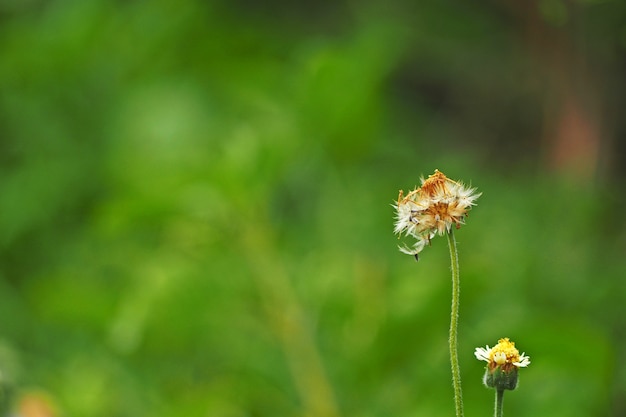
[499, 402]
[286, 317]
[454, 321]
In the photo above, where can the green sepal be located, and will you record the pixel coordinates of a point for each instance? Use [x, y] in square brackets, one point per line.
[501, 380]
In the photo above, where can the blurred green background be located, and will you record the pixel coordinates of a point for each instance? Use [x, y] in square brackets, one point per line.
[196, 220]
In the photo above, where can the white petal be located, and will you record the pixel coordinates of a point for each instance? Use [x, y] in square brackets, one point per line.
[406, 250]
[417, 248]
[523, 362]
[482, 354]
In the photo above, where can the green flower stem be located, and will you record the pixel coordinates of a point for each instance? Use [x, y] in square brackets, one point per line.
[499, 401]
[454, 321]
[287, 319]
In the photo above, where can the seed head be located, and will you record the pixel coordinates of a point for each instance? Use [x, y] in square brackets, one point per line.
[431, 209]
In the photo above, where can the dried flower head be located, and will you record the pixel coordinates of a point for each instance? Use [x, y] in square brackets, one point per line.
[503, 361]
[432, 209]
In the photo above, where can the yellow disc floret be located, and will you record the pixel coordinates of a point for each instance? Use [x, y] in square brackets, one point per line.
[504, 354]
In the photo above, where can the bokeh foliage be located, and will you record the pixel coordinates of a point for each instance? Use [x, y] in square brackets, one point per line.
[195, 209]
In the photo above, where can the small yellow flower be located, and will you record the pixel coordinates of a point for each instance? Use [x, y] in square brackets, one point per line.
[432, 209]
[503, 361]
[504, 355]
